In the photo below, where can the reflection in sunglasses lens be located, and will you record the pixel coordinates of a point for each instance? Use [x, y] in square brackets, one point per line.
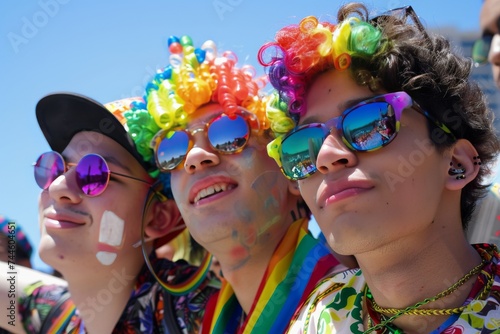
[370, 126]
[228, 135]
[92, 174]
[481, 49]
[48, 168]
[367, 127]
[299, 151]
[172, 150]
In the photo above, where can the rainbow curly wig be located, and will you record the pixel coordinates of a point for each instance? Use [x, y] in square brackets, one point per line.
[302, 51]
[193, 78]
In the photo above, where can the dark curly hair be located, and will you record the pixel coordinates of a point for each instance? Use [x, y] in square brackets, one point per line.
[393, 54]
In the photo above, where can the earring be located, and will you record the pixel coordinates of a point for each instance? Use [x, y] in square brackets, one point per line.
[477, 160]
[459, 172]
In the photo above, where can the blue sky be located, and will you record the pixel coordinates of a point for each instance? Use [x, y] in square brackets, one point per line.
[108, 50]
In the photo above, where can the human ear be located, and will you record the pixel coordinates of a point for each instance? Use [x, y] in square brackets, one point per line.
[464, 165]
[163, 218]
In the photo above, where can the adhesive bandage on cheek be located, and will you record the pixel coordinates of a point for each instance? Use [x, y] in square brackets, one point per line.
[110, 237]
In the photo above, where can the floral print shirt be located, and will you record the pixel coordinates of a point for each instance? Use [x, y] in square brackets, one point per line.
[337, 304]
[144, 312]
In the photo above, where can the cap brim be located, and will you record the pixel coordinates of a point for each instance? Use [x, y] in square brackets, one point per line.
[62, 115]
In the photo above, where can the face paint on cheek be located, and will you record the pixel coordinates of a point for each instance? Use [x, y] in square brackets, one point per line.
[110, 237]
[269, 187]
[106, 258]
[248, 154]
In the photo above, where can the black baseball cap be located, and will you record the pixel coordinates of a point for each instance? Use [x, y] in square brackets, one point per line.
[62, 115]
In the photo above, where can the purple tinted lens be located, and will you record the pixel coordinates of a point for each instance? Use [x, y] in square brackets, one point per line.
[48, 167]
[92, 174]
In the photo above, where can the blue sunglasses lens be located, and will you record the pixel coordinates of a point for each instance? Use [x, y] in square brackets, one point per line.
[172, 150]
[369, 127]
[228, 135]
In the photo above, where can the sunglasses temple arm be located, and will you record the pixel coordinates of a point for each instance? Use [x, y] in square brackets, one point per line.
[131, 177]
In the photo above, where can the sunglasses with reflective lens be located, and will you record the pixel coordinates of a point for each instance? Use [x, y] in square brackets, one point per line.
[226, 135]
[92, 172]
[481, 47]
[367, 126]
[405, 15]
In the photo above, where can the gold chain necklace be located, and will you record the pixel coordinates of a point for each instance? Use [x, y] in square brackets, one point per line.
[413, 309]
[386, 324]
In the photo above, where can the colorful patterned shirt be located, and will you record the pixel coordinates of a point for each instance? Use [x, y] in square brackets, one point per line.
[144, 312]
[336, 306]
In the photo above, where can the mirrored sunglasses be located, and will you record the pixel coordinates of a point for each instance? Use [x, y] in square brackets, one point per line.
[368, 126]
[226, 135]
[481, 47]
[404, 14]
[92, 172]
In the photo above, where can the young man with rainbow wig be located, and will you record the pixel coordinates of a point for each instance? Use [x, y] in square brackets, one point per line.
[391, 149]
[213, 119]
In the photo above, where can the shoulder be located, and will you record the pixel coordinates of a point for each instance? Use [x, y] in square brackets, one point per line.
[335, 302]
[151, 305]
[483, 313]
[42, 302]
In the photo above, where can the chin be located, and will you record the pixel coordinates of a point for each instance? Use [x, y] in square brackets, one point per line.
[51, 253]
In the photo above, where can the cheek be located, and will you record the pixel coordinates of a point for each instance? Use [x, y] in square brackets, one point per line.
[175, 180]
[43, 203]
[270, 188]
[308, 189]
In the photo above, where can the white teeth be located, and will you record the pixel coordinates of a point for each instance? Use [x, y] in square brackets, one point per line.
[215, 188]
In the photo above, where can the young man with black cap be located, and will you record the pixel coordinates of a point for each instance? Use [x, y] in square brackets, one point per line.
[98, 186]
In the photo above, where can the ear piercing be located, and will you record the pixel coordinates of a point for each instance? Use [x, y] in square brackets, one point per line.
[459, 172]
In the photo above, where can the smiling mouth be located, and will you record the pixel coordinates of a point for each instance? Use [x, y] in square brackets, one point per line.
[212, 190]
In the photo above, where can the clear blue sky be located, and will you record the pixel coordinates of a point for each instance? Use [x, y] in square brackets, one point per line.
[109, 49]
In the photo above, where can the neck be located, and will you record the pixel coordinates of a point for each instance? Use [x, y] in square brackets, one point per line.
[101, 297]
[245, 277]
[435, 264]
[245, 274]
[244, 260]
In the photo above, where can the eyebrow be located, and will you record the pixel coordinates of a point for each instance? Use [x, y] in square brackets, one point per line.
[205, 119]
[114, 161]
[341, 107]
[109, 160]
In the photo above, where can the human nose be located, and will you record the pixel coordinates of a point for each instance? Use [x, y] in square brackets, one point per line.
[494, 55]
[334, 154]
[201, 155]
[62, 189]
